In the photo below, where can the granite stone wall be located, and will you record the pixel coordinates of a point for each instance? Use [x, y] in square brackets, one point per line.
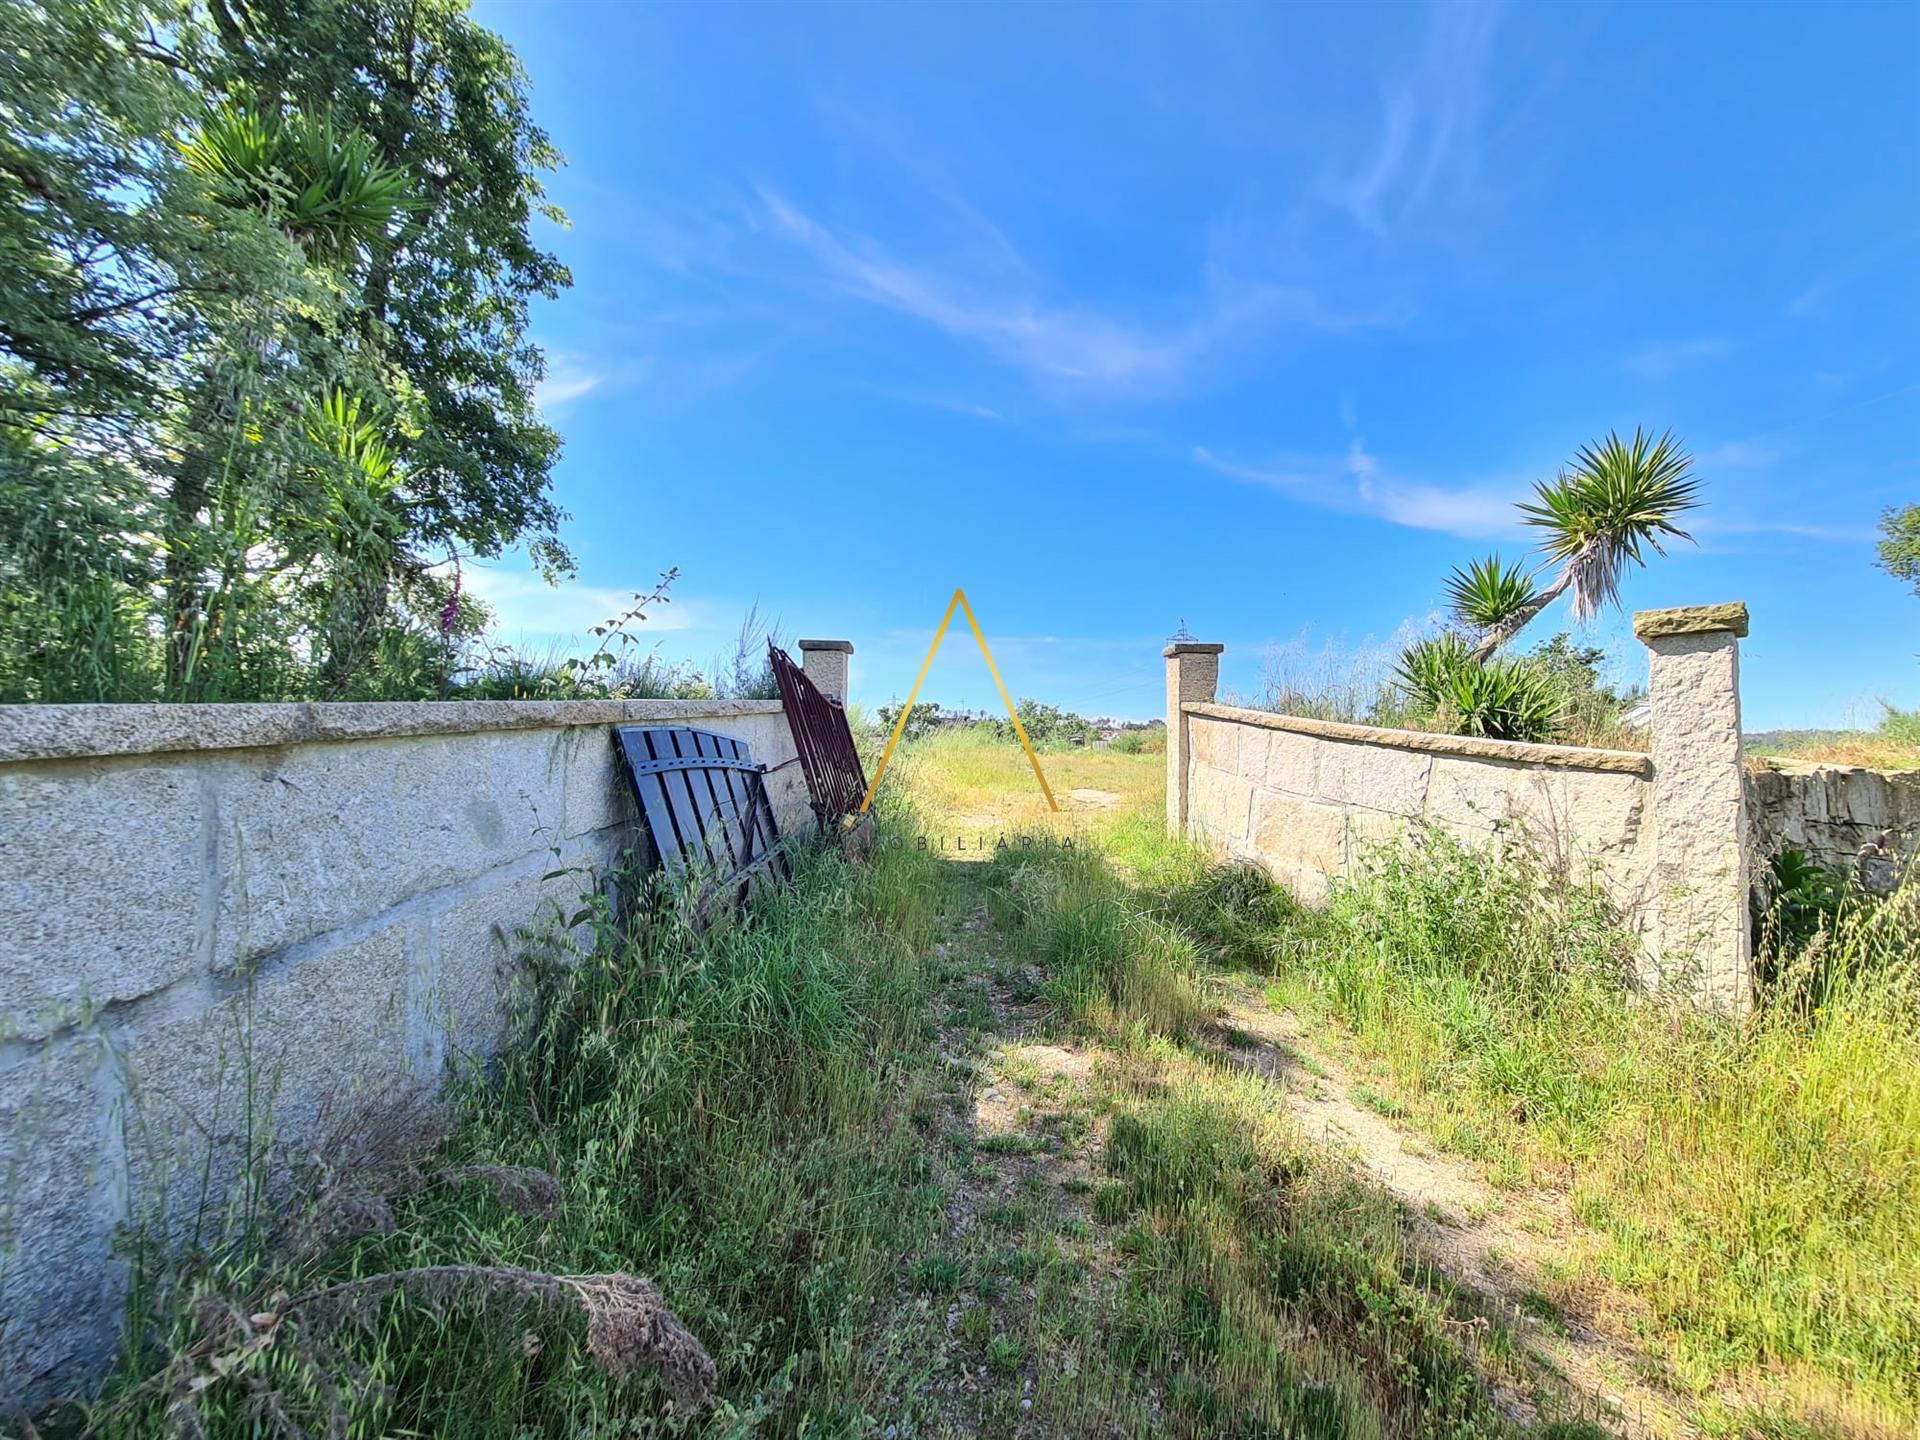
[324, 899]
[1665, 833]
[1306, 799]
[1863, 823]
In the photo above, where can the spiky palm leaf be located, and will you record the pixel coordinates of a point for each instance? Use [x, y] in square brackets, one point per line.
[342, 426]
[1502, 700]
[1488, 593]
[325, 183]
[1617, 497]
[1426, 668]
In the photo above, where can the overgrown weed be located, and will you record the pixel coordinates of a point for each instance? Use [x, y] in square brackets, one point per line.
[1757, 1184]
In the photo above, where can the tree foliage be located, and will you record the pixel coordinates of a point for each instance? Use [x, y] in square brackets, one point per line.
[1899, 546]
[264, 374]
[444, 304]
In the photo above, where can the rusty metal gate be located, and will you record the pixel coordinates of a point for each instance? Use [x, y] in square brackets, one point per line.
[835, 780]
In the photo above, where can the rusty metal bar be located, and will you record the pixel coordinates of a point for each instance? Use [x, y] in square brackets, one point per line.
[836, 783]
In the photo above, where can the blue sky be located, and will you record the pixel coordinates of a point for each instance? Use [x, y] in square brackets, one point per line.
[1256, 317]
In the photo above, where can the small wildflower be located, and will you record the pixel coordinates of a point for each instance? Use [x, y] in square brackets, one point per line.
[450, 612]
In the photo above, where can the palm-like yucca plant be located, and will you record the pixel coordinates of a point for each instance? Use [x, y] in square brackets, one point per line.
[1616, 500]
[1426, 669]
[1499, 699]
[1502, 700]
[323, 182]
[348, 509]
[1485, 594]
[342, 426]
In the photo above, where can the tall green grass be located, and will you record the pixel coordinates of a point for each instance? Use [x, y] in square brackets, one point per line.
[1758, 1185]
[1754, 1187]
[724, 1113]
[1267, 1289]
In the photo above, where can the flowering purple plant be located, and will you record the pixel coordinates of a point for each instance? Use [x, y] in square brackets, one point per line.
[450, 612]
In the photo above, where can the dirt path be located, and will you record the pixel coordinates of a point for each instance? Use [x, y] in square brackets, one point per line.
[1013, 1148]
[1010, 1294]
[1503, 1245]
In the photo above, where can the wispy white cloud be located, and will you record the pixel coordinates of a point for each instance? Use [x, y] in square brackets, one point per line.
[1068, 344]
[1810, 303]
[938, 400]
[1662, 359]
[1734, 525]
[1357, 485]
[525, 606]
[1430, 121]
[568, 378]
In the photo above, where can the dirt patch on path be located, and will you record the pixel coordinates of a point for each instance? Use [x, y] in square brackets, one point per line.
[1013, 1144]
[1499, 1244]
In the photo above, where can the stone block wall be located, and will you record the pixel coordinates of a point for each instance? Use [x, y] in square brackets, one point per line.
[335, 887]
[1665, 833]
[1863, 823]
[1306, 799]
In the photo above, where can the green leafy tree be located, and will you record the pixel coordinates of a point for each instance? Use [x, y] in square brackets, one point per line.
[256, 473]
[264, 275]
[443, 303]
[922, 720]
[1900, 544]
[1046, 724]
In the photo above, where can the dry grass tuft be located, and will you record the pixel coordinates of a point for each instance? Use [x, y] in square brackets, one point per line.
[629, 1330]
[629, 1327]
[374, 1154]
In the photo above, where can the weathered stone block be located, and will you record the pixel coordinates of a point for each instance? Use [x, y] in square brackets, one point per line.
[599, 795]
[1293, 763]
[1216, 743]
[1219, 806]
[101, 883]
[1368, 833]
[1730, 618]
[320, 837]
[1300, 833]
[59, 1280]
[1483, 795]
[1306, 882]
[1863, 796]
[1250, 758]
[825, 662]
[319, 1038]
[1374, 777]
[1607, 814]
[474, 950]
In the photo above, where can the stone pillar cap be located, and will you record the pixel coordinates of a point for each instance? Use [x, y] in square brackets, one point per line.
[845, 647]
[1691, 620]
[1191, 647]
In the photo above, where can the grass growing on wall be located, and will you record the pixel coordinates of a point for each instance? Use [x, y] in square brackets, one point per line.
[1892, 744]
